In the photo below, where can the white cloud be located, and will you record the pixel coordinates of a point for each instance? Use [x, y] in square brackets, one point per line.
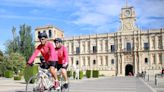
[92, 19]
[96, 13]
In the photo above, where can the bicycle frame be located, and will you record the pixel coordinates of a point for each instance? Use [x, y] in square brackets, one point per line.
[44, 81]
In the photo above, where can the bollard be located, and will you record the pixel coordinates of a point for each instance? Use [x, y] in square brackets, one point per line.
[156, 80]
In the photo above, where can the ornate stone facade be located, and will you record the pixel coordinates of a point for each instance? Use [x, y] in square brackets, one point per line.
[128, 50]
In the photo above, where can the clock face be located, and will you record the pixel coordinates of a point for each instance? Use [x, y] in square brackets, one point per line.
[127, 12]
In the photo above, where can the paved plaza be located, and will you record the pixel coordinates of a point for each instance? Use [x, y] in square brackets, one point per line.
[103, 84]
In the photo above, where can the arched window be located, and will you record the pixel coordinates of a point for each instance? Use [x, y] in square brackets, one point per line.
[146, 60]
[50, 34]
[77, 62]
[94, 62]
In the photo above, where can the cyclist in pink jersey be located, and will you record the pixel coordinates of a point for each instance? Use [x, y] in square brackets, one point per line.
[62, 55]
[47, 50]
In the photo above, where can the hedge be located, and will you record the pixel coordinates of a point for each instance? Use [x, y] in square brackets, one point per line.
[88, 73]
[95, 73]
[21, 73]
[29, 72]
[8, 74]
[17, 77]
[80, 74]
[69, 73]
[74, 73]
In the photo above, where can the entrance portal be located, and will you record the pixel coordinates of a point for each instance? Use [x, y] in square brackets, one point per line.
[128, 70]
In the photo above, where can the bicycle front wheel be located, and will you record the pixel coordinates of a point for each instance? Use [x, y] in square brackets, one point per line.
[64, 88]
[35, 84]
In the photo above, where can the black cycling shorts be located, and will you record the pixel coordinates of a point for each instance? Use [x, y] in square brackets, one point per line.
[52, 63]
[47, 65]
[61, 66]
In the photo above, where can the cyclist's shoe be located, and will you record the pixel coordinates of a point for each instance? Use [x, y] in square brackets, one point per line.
[65, 85]
[56, 85]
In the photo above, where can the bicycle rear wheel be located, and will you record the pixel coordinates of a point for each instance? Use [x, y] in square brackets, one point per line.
[35, 84]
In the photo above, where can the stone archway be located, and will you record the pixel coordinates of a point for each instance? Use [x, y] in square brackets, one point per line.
[128, 70]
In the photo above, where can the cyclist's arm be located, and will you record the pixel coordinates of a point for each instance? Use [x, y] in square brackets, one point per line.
[65, 52]
[31, 60]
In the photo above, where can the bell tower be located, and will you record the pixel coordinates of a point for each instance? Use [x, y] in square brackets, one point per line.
[127, 19]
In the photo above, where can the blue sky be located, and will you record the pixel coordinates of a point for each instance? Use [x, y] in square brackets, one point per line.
[76, 17]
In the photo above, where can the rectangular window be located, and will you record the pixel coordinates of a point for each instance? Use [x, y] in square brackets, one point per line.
[112, 61]
[146, 46]
[94, 49]
[128, 46]
[50, 34]
[112, 48]
[77, 50]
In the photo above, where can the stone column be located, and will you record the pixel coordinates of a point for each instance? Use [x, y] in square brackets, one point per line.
[122, 64]
[70, 48]
[86, 47]
[162, 48]
[163, 60]
[80, 45]
[135, 63]
[118, 64]
[98, 46]
[156, 42]
[103, 44]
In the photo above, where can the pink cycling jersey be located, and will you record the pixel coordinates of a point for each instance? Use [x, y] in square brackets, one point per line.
[47, 50]
[62, 55]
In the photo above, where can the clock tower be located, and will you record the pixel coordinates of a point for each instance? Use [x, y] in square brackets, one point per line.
[127, 18]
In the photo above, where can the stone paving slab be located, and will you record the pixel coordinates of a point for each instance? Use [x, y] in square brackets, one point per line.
[151, 82]
[103, 84]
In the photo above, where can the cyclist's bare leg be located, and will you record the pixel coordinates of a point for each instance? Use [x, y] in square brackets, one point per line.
[53, 71]
[64, 73]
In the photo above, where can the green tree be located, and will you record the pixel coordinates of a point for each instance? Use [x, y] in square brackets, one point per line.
[26, 41]
[15, 62]
[15, 40]
[23, 43]
[1, 56]
[1, 63]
